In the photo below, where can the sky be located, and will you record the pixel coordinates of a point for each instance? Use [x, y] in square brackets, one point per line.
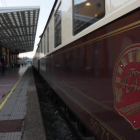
[45, 9]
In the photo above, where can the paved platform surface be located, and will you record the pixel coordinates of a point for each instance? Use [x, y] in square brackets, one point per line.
[34, 129]
[9, 79]
[15, 90]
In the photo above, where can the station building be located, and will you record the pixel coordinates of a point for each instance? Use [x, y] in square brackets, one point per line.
[18, 27]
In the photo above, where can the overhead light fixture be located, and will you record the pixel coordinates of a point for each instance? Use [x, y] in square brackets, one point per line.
[88, 4]
[95, 15]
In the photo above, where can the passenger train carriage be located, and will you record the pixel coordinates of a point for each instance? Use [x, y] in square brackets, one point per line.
[89, 53]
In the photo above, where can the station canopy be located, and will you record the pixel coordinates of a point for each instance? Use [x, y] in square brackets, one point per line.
[18, 27]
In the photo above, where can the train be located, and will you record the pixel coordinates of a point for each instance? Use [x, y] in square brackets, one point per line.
[89, 54]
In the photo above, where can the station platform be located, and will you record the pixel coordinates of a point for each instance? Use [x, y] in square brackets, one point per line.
[20, 117]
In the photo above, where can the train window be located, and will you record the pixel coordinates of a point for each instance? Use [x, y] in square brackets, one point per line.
[45, 43]
[48, 39]
[41, 46]
[87, 12]
[57, 21]
[39, 51]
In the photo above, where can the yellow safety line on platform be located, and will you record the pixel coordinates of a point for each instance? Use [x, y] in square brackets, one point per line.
[3, 103]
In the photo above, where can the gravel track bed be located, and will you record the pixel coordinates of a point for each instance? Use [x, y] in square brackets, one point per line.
[55, 126]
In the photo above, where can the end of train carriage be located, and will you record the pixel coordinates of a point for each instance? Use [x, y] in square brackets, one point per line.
[89, 53]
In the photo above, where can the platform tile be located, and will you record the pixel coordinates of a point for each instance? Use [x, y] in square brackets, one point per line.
[11, 136]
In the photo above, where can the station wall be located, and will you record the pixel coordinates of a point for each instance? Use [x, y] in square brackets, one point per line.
[8, 56]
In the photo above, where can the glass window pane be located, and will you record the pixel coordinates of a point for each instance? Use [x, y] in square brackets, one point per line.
[87, 12]
[48, 39]
[41, 46]
[45, 43]
[57, 21]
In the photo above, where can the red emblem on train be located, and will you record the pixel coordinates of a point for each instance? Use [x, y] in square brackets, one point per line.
[126, 85]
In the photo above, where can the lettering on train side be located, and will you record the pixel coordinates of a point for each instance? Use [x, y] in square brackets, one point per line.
[94, 126]
[100, 130]
[126, 85]
[133, 72]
